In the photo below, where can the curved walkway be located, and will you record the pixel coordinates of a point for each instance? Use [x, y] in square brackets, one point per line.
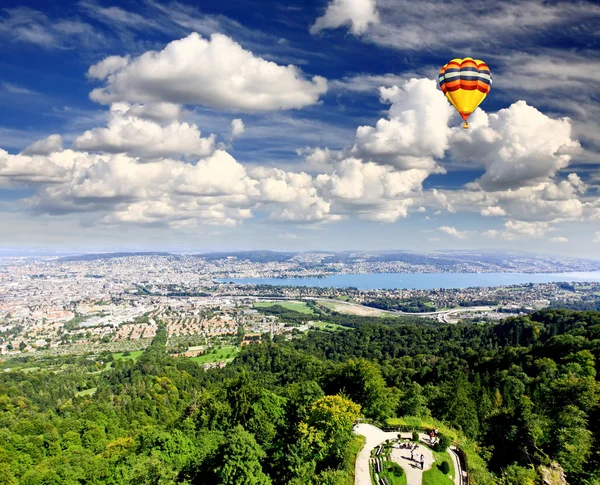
[414, 475]
[374, 436]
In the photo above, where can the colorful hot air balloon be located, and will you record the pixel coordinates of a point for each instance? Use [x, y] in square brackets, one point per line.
[465, 82]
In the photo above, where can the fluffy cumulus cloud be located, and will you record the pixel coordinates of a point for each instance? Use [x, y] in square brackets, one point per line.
[415, 131]
[160, 112]
[492, 211]
[372, 191]
[452, 231]
[358, 14]
[218, 73]
[520, 230]
[551, 201]
[128, 133]
[53, 168]
[237, 128]
[118, 188]
[292, 197]
[146, 166]
[518, 146]
[45, 146]
[320, 159]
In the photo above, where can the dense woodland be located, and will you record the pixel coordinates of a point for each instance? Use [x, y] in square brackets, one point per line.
[520, 394]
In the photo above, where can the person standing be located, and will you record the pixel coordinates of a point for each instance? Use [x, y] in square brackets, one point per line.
[422, 461]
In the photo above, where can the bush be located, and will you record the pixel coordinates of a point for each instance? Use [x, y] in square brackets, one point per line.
[443, 443]
[415, 436]
[394, 468]
[444, 467]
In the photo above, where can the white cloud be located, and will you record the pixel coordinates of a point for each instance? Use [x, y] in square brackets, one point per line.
[17, 89]
[318, 158]
[127, 133]
[291, 197]
[493, 211]
[217, 73]
[560, 239]
[514, 229]
[371, 191]
[108, 66]
[237, 128]
[50, 144]
[216, 190]
[597, 237]
[452, 231]
[416, 130]
[23, 24]
[547, 201]
[518, 145]
[370, 83]
[160, 112]
[358, 14]
[409, 25]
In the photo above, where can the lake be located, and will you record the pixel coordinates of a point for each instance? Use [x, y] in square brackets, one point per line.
[422, 281]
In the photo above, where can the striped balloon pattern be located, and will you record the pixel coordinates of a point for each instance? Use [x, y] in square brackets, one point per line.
[465, 82]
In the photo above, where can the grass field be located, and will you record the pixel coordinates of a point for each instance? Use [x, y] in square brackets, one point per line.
[296, 306]
[134, 354]
[88, 392]
[228, 352]
[434, 476]
[329, 327]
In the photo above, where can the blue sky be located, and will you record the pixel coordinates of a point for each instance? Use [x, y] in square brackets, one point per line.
[118, 132]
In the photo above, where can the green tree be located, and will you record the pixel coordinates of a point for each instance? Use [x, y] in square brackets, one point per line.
[573, 439]
[363, 382]
[240, 459]
[328, 428]
[518, 475]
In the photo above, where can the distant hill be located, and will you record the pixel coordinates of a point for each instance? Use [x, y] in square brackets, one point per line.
[254, 256]
[95, 256]
[444, 261]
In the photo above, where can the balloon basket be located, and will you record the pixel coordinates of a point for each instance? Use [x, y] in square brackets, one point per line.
[466, 125]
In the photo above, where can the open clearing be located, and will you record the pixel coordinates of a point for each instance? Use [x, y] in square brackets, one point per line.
[296, 306]
[329, 327]
[134, 354]
[88, 392]
[227, 352]
[353, 308]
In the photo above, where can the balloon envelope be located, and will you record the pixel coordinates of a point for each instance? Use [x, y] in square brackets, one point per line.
[465, 82]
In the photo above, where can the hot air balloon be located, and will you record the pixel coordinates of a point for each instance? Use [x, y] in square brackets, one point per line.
[465, 82]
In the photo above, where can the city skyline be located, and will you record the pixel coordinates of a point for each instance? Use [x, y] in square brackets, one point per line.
[299, 126]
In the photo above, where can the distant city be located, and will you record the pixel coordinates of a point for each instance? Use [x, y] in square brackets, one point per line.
[114, 302]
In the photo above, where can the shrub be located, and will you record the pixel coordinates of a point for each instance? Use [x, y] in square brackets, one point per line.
[415, 436]
[443, 443]
[394, 468]
[444, 467]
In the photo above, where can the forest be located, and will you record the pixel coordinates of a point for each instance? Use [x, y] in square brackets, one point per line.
[518, 395]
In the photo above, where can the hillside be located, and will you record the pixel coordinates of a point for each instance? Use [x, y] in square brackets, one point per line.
[515, 396]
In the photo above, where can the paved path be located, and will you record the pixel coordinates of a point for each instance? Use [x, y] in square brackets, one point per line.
[362, 473]
[414, 475]
[457, 467]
